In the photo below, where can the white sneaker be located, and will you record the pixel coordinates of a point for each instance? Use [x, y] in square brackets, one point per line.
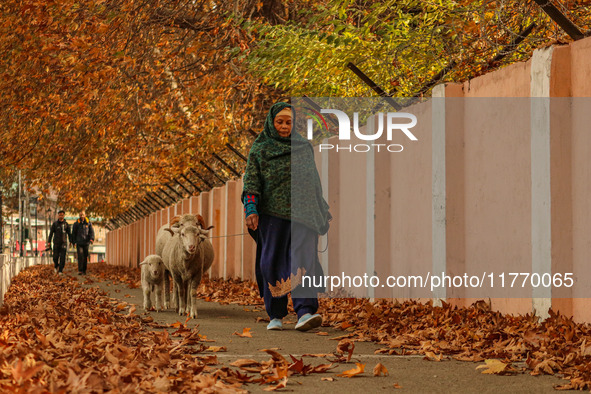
[275, 325]
[308, 322]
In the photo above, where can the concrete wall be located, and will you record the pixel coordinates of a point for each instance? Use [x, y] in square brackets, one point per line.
[12, 266]
[509, 195]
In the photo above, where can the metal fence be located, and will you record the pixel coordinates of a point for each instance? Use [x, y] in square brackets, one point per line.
[12, 266]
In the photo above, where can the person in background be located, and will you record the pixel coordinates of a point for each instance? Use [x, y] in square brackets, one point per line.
[82, 236]
[287, 238]
[60, 234]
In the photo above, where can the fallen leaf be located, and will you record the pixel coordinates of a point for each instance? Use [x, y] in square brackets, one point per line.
[323, 368]
[245, 333]
[280, 385]
[432, 356]
[354, 371]
[276, 356]
[320, 355]
[244, 362]
[297, 366]
[21, 373]
[131, 310]
[327, 379]
[162, 384]
[493, 366]
[209, 360]
[346, 346]
[379, 370]
[322, 333]
[216, 349]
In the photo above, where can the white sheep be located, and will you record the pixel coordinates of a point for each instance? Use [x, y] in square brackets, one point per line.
[164, 234]
[188, 254]
[152, 280]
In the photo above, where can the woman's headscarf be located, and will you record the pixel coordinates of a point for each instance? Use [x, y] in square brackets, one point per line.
[287, 161]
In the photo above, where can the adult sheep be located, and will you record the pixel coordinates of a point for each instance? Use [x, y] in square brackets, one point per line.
[165, 233]
[188, 254]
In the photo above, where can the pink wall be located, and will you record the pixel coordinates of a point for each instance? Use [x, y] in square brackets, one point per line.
[489, 202]
[580, 174]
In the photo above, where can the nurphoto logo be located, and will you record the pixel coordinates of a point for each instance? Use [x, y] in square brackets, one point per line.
[395, 122]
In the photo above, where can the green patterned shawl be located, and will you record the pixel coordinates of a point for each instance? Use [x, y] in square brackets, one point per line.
[282, 173]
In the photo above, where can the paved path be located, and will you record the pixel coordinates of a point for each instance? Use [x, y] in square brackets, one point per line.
[412, 373]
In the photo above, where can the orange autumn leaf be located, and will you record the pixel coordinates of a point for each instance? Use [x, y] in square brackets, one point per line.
[244, 362]
[215, 349]
[323, 368]
[278, 386]
[298, 365]
[494, 366]
[276, 356]
[346, 346]
[432, 356]
[354, 371]
[245, 333]
[380, 370]
[21, 373]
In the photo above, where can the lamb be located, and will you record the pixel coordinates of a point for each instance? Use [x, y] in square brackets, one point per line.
[165, 233]
[152, 280]
[188, 253]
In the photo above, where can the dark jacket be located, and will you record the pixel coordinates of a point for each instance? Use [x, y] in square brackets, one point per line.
[61, 231]
[82, 232]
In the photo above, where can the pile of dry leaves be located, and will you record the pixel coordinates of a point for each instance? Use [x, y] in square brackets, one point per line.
[506, 343]
[59, 336]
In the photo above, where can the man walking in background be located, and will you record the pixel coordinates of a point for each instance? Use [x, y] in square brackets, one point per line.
[60, 233]
[82, 236]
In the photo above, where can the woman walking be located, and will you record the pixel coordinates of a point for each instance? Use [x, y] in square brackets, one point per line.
[283, 200]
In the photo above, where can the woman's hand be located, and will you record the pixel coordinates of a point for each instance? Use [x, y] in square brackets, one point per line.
[252, 221]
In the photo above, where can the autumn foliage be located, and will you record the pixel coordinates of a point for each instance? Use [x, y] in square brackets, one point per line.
[103, 101]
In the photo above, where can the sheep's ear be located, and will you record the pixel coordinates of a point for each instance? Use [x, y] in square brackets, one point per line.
[144, 262]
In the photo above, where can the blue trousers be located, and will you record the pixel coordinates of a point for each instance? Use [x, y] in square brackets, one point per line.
[278, 246]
